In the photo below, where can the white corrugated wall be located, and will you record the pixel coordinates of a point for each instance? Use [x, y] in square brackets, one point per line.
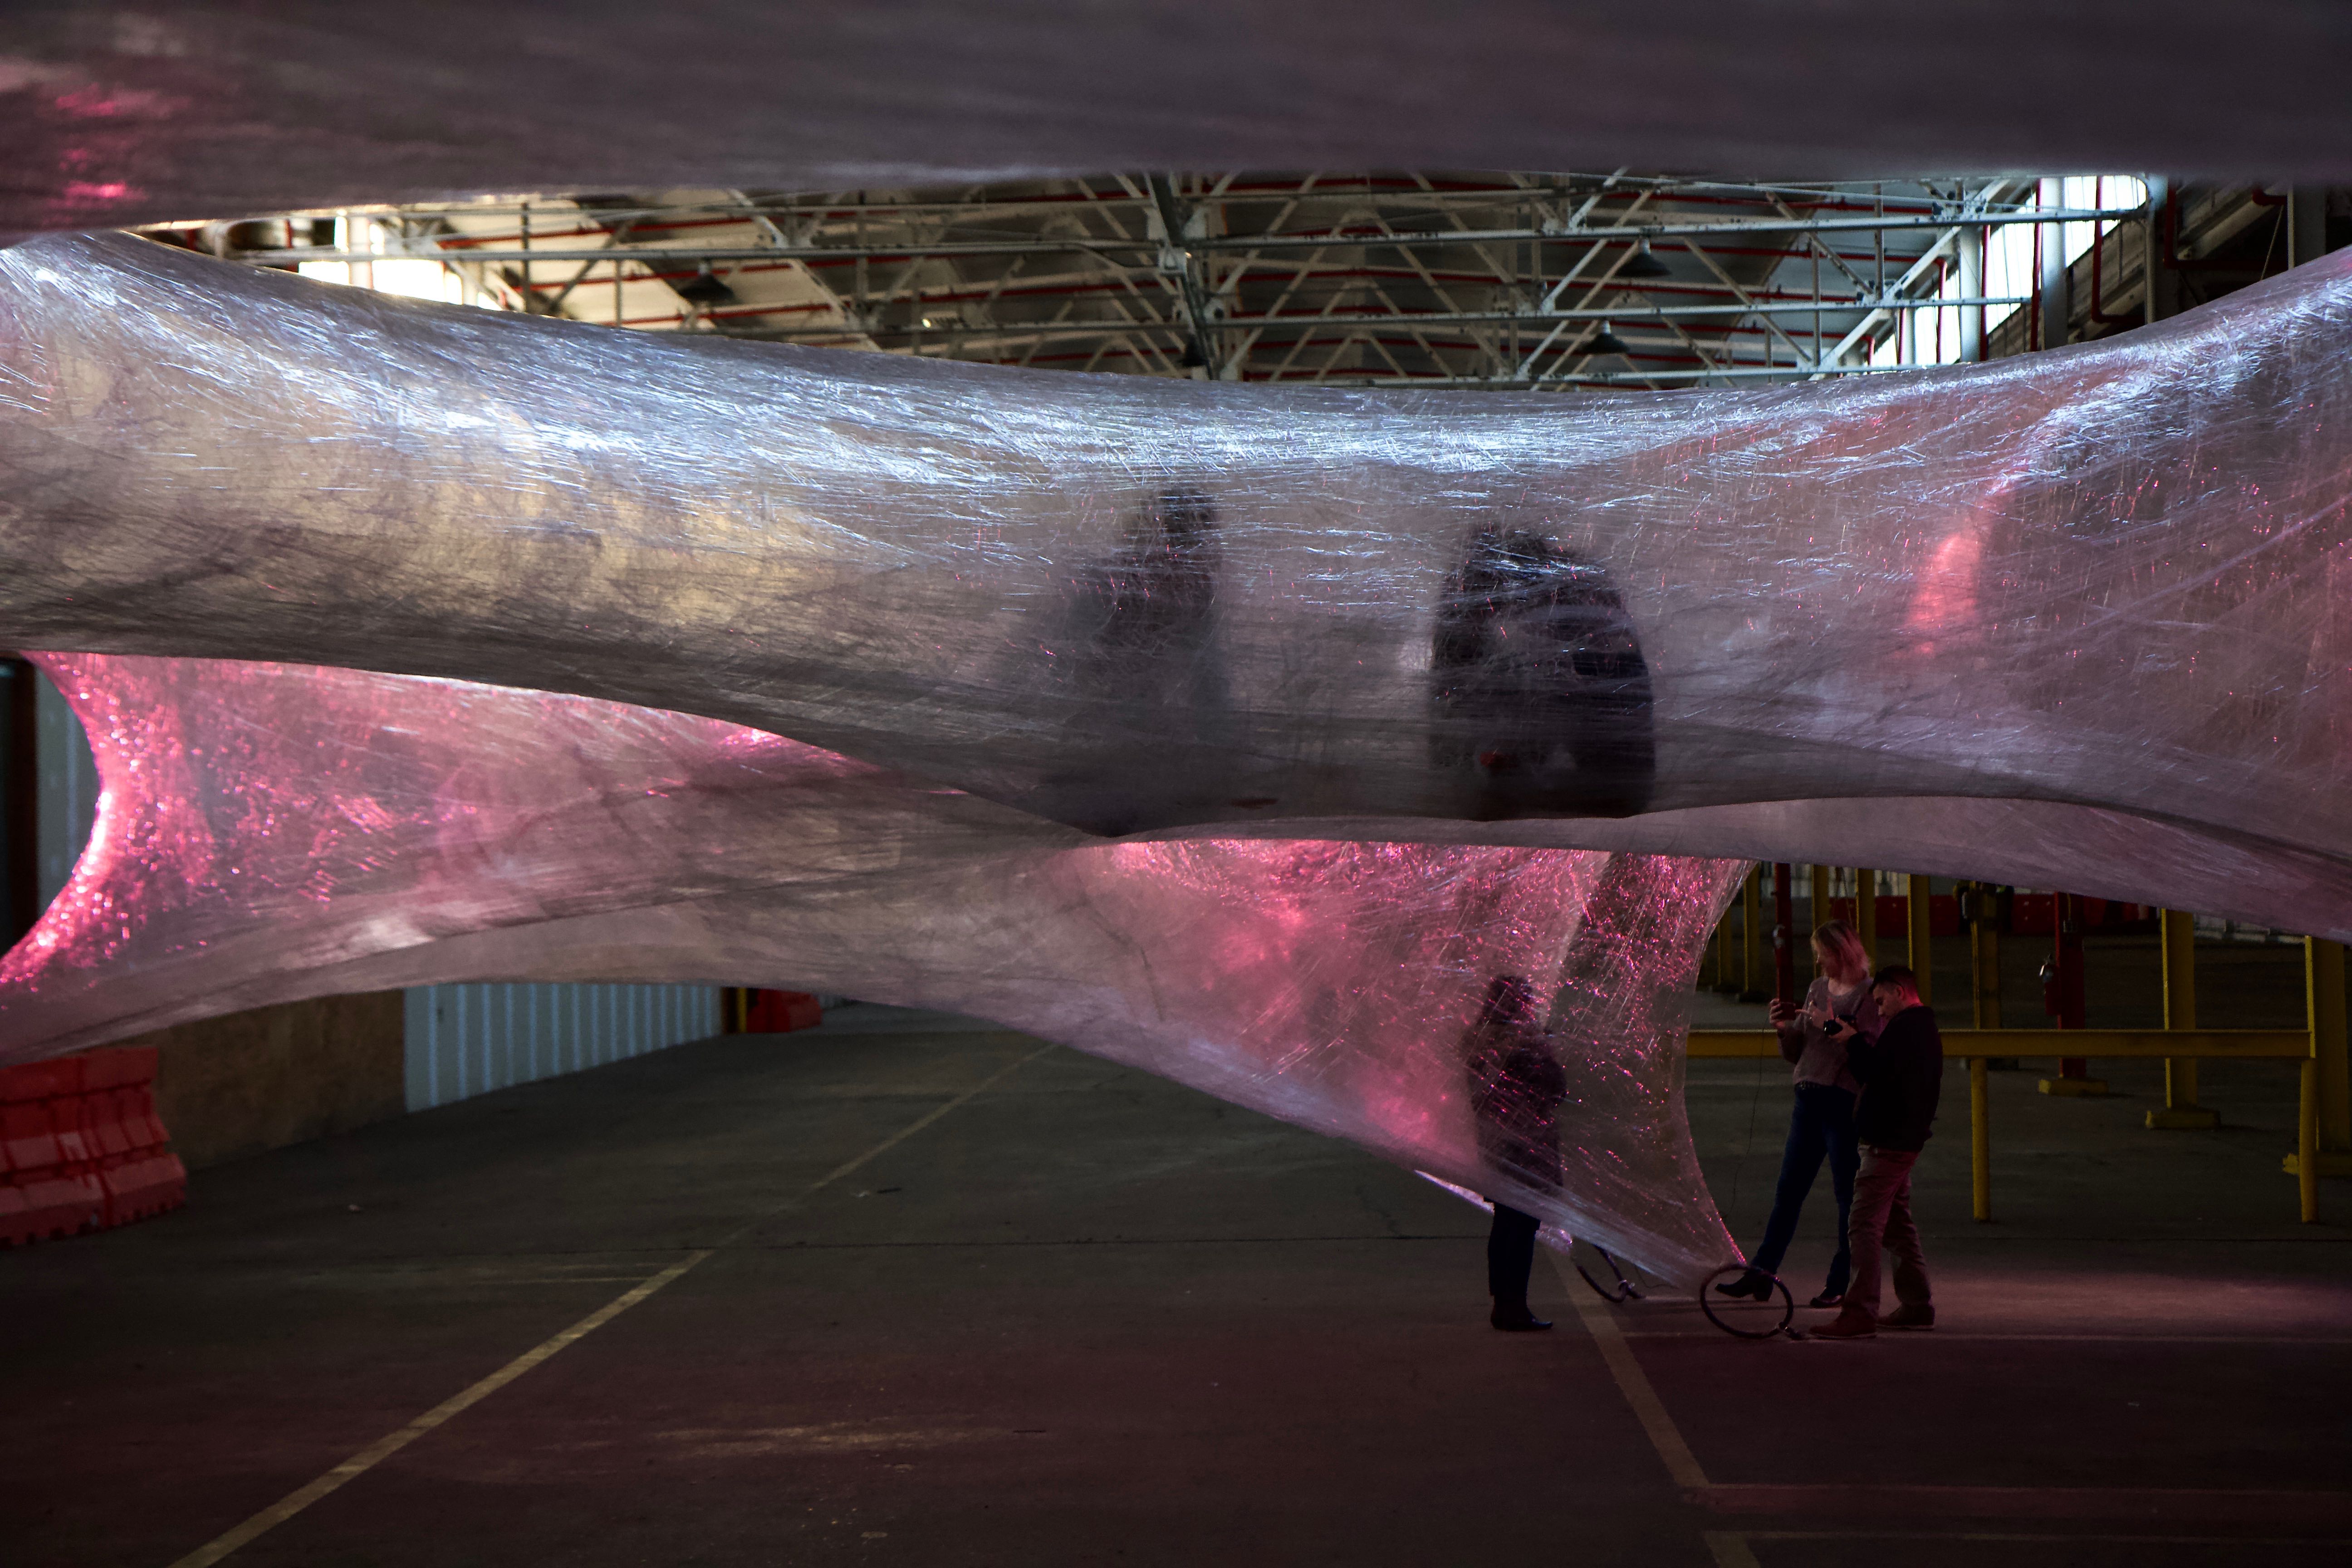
[464, 1040]
[68, 801]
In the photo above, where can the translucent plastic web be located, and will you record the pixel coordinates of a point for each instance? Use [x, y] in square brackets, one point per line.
[1245, 733]
[270, 832]
[2081, 618]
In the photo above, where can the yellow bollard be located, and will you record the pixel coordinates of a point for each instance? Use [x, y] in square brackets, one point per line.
[2323, 1140]
[1923, 937]
[2178, 947]
[1984, 964]
[2324, 979]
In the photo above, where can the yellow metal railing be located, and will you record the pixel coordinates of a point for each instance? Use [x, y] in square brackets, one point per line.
[2323, 1119]
[1975, 1046]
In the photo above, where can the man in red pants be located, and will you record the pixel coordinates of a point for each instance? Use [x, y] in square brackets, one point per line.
[1902, 1073]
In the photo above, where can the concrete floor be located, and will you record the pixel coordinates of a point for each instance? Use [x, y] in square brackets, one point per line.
[1084, 1316]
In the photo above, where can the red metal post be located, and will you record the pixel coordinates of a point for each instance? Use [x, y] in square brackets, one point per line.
[2062, 981]
[1784, 921]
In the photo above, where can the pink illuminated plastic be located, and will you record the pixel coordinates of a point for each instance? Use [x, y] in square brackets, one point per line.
[270, 832]
[1240, 733]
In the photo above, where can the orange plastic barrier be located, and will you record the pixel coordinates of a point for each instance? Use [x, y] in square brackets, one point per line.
[81, 1147]
[778, 1011]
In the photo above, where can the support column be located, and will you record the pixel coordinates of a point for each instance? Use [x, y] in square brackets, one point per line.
[1784, 917]
[2057, 296]
[1751, 920]
[1923, 936]
[1865, 913]
[1972, 317]
[2324, 964]
[2179, 950]
[2304, 1161]
[2063, 995]
[2307, 224]
[1820, 911]
[1984, 956]
[2325, 1149]
[1979, 1142]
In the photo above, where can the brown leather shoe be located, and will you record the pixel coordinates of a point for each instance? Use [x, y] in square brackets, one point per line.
[1909, 1318]
[1851, 1323]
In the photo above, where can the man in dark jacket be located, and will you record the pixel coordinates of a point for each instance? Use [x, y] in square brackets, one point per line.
[1901, 1072]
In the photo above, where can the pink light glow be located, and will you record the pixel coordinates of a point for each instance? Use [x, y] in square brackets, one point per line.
[1943, 600]
[268, 832]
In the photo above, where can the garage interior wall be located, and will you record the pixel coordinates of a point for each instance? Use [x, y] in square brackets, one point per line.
[464, 1040]
[237, 1085]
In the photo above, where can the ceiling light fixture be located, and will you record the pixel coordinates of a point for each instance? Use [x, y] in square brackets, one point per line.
[1641, 264]
[1605, 342]
[705, 289]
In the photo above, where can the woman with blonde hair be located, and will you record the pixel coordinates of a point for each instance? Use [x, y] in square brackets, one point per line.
[1821, 1123]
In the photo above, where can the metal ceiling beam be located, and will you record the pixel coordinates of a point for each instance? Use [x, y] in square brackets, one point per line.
[1178, 269]
[1326, 188]
[1364, 281]
[1917, 273]
[1626, 378]
[1395, 240]
[1628, 315]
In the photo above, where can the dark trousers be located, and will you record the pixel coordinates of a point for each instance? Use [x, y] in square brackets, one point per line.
[1511, 1255]
[1881, 1224]
[1821, 1126]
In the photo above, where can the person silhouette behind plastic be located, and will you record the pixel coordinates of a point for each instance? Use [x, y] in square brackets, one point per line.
[1516, 1089]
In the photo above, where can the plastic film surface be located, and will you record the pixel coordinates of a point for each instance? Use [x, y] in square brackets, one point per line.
[2089, 591]
[120, 111]
[270, 832]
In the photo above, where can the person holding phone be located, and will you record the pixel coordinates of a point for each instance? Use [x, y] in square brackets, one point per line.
[1821, 1126]
[1902, 1076]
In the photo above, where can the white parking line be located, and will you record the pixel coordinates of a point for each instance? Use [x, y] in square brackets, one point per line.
[391, 1443]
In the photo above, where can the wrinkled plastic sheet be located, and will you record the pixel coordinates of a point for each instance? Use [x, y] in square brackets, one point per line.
[268, 833]
[116, 112]
[2078, 618]
[1241, 733]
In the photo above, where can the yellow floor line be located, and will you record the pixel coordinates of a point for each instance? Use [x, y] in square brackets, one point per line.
[383, 1447]
[1632, 1382]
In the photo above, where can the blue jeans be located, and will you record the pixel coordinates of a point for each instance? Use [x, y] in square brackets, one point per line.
[1822, 1124]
